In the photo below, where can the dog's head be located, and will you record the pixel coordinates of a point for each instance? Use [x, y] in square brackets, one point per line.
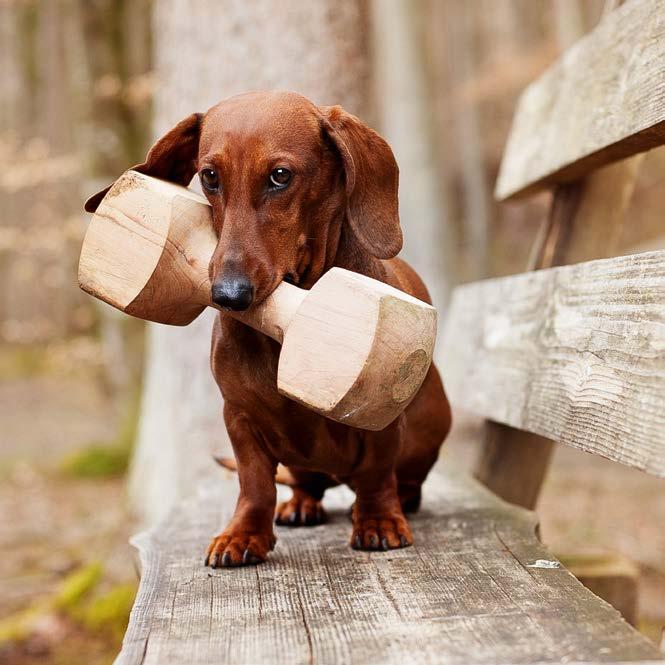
[285, 179]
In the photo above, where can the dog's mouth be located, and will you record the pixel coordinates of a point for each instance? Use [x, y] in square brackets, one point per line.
[289, 277]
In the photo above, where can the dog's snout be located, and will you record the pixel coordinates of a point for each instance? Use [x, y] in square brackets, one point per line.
[234, 293]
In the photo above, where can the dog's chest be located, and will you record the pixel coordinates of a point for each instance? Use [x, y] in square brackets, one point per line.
[314, 445]
[244, 364]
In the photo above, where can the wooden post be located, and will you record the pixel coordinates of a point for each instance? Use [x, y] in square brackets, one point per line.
[399, 75]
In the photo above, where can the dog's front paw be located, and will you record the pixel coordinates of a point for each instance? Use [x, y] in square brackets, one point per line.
[232, 548]
[387, 532]
[300, 510]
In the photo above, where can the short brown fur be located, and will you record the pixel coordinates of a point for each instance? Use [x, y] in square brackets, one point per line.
[340, 209]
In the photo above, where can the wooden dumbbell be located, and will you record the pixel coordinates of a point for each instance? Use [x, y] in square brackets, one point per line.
[353, 349]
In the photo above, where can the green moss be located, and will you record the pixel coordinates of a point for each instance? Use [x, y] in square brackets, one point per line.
[105, 615]
[73, 590]
[76, 586]
[110, 612]
[17, 626]
[104, 460]
[96, 461]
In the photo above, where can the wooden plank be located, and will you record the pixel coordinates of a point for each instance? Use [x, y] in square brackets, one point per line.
[603, 100]
[585, 223]
[611, 576]
[576, 354]
[474, 588]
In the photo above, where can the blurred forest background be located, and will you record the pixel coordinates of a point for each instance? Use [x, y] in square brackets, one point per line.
[86, 86]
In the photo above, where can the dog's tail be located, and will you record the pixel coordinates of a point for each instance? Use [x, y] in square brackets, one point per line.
[282, 477]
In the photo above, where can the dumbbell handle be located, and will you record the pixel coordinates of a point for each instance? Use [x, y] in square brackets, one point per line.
[273, 315]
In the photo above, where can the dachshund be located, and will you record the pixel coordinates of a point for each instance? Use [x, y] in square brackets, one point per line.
[296, 189]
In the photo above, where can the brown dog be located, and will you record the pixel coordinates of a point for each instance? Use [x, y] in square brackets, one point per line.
[296, 189]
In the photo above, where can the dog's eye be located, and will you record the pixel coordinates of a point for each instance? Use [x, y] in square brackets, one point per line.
[209, 179]
[280, 178]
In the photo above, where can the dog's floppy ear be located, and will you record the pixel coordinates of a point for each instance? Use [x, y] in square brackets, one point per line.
[172, 158]
[372, 179]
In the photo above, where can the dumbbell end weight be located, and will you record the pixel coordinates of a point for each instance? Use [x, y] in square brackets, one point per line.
[358, 349]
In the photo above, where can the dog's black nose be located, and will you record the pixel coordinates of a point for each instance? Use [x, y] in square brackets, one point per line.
[234, 293]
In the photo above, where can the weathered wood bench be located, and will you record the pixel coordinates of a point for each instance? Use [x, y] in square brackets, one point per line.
[574, 354]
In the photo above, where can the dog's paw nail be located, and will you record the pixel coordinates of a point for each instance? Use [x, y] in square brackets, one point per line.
[403, 542]
[248, 558]
[226, 559]
[357, 543]
[293, 517]
[374, 541]
[308, 520]
[384, 544]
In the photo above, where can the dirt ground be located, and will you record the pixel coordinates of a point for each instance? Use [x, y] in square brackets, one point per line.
[54, 527]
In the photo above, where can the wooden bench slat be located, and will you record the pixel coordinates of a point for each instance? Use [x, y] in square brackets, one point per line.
[472, 584]
[576, 354]
[603, 100]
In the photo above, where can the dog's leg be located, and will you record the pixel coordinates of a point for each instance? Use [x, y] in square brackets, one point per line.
[304, 507]
[249, 535]
[378, 519]
[377, 515]
[410, 496]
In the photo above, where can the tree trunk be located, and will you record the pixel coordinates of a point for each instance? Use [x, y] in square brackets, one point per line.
[405, 118]
[206, 51]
